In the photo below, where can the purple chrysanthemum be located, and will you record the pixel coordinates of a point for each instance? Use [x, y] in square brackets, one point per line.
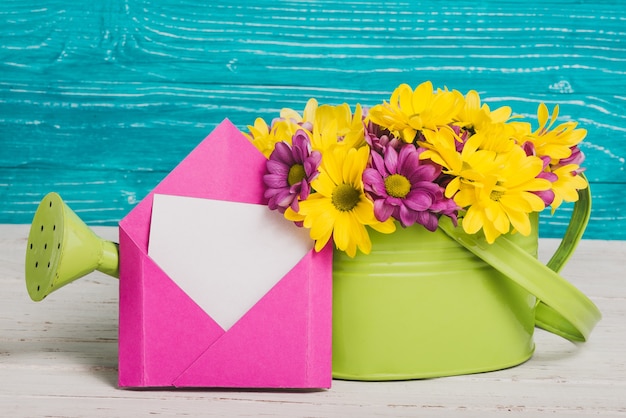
[378, 138]
[290, 170]
[405, 189]
[462, 134]
[576, 157]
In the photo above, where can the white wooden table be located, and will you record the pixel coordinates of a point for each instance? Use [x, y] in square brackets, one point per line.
[58, 358]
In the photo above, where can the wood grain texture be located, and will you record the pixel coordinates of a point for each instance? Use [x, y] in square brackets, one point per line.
[58, 358]
[100, 100]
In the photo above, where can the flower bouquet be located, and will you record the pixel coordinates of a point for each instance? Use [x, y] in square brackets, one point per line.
[423, 155]
[441, 195]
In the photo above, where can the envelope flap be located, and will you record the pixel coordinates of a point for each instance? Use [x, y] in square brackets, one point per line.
[224, 166]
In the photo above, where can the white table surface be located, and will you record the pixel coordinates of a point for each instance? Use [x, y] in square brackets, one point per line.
[58, 358]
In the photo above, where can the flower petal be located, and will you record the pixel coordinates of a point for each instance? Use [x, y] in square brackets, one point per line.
[275, 181]
[282, 152]
[418, 200]
[382, 211]
[278, 167]
[391, 160]
[407, 216]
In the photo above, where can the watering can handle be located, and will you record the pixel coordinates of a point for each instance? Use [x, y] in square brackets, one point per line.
[562, 308]
[545, 316]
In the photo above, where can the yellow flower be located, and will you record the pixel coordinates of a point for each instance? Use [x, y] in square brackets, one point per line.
[325, 135]
[339, 208]
[559, 145]
[265, 138]
[337, 125]
[260, 136]
[411, 111]
[474, 116]
[556, 142]
[307, 116]
[566, 187]
[503, 198]
[466, 166]
[498, 137]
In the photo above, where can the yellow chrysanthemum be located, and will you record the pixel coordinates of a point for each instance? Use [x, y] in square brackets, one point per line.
[337, 125]
[469, 165]
[475, 116]
[339, 208]
[566, 187]
[410, 111]
[265, 138]
[556, 142]
[325, 136]
[498, 137]
[308, 115]
[260, 136]
[503, 198]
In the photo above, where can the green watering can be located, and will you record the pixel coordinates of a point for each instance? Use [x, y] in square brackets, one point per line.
[427, 304]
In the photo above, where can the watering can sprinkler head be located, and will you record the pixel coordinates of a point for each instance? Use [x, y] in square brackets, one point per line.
[61, 248]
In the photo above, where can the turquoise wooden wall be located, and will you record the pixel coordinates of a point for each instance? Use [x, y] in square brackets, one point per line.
[99, 100]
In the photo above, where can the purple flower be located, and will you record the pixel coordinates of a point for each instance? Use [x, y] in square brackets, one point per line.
[462, 134]
[546, 195]
[405, 189]
[378, 138]
[443, 207]
[290, 170]
[576, 157]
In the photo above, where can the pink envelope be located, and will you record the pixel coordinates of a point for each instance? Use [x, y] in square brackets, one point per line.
[167, 340]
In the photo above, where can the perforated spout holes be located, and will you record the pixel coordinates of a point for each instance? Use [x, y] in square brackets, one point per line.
[44, 247]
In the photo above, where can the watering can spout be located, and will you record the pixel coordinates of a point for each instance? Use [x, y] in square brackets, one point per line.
[61, 248]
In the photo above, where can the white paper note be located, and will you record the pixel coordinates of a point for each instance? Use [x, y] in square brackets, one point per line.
[224, 255]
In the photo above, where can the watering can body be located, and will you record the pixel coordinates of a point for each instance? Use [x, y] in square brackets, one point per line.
[420, 306]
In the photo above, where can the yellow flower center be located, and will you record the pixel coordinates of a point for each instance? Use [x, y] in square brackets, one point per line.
[397, 186]
[345, 197]
[296, 174]
[496, 195]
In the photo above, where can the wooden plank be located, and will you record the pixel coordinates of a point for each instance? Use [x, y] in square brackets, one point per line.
[100, 100]
[59, 358]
